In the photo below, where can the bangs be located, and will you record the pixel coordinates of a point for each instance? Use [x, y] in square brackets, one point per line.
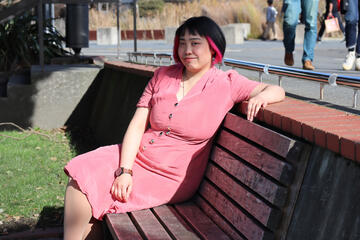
[192, 28]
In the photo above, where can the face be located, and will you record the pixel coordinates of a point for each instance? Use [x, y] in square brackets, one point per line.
[194, 52]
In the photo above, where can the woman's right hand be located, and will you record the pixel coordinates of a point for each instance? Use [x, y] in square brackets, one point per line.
[122, 187]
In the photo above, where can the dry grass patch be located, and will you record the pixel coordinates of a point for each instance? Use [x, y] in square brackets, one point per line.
[222, 11]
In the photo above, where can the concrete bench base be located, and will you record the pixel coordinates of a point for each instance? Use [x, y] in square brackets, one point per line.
[234, 33]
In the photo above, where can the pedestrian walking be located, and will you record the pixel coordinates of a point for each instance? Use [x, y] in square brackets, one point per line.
[308, 10]
[271, 14]
[352, 38]
[331, 11]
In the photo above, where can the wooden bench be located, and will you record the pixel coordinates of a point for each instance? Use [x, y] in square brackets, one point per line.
[248, 192]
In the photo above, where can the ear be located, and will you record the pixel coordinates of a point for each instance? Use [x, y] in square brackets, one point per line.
[213, 53]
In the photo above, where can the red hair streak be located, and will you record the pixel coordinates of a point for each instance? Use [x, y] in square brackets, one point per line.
[218, 55]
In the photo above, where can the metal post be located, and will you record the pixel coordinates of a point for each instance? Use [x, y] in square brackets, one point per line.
[356, 94]
[118, 27]
[280, 80]
[322, 85]
[134, 12]
[41, 34]
[52, 15]
[260, 76]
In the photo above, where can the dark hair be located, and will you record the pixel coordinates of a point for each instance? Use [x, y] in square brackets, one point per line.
[270, 2]
[205, 27]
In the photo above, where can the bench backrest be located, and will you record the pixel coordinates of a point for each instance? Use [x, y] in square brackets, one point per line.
[252, 180]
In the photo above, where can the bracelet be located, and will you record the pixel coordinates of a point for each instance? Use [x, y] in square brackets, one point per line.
[122, 170]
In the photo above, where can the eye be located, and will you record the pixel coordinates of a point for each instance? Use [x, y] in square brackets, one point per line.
[195, 43]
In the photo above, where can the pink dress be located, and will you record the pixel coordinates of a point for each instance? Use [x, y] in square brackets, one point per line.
[174, 151]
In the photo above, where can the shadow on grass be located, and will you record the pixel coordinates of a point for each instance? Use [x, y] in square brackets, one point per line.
[50, 217]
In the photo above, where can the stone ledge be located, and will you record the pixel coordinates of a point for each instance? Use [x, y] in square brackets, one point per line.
[329, 128]
[143, 70]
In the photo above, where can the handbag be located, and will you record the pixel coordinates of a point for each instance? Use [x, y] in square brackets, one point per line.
[332, 25]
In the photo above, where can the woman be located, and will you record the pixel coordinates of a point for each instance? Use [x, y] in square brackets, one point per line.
[330, 12]
[184, 104]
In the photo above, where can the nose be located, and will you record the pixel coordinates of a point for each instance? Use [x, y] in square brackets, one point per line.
[188, 49]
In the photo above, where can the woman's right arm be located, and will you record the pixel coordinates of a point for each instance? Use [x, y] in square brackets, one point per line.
[122, 185]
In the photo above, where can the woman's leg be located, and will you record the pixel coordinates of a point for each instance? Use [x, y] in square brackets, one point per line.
[77, 213]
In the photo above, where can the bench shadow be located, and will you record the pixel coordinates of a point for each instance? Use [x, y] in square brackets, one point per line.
[51, 217]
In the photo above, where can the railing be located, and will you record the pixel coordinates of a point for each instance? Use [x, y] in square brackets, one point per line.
[156, 58]
[322, 78]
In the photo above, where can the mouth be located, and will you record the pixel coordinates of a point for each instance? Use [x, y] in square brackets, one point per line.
[189, 59]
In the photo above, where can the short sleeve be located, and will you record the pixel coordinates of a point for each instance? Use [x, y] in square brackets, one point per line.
[240, 86]
[145, 99]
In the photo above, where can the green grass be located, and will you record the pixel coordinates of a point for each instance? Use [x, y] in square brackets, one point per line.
[31, 173]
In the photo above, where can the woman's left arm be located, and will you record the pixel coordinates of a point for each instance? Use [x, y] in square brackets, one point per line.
[261, 96]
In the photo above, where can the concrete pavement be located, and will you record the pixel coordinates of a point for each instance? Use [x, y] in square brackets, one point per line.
[329, 56]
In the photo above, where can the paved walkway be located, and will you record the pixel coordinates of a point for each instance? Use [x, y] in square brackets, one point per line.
[329, 56]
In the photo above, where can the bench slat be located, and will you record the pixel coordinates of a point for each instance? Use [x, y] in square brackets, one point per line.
[218, 219]
[149, 225]
[121, 227]
[272, 166]
[267, 138]
[201, 223]
[264, 187]
[268, 216]
[232, 213]
[174, 223]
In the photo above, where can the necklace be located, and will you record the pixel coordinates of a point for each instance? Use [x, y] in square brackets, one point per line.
[183, 89]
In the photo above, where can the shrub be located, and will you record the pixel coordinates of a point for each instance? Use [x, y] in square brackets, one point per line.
[19, 43]
[149, 8]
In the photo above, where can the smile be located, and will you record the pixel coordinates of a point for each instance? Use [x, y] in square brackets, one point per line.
[189, 59]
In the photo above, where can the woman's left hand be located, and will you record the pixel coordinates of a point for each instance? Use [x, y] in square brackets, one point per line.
[254, 105]
[261, 95]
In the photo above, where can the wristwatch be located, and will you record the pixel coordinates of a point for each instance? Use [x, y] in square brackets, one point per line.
[122, 170]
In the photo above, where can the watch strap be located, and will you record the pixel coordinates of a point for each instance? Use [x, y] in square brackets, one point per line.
[122, 170]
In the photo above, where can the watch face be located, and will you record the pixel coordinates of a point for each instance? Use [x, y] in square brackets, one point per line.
[118, 172]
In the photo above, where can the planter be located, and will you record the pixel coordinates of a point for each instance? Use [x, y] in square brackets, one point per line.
[4, 78]
[20, 77]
